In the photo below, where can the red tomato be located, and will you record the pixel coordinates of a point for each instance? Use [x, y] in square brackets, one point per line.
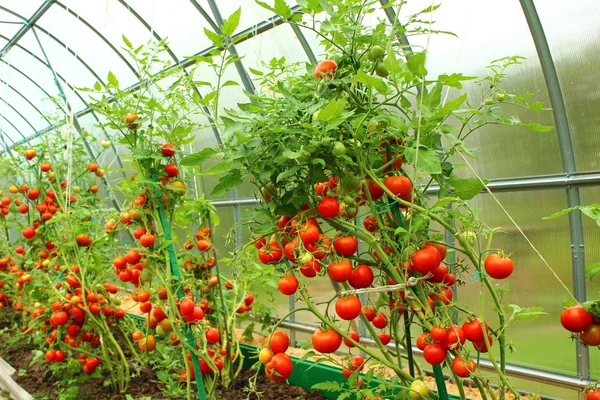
[361, 277]
[28, 232]
[591, 336]
[167, 150]
[401, 186]
[380, 321]
[288, 285]
[423, 340]
[498, 267]
[370, 223]
[325, 68]
[473, 330]
[187, 307]
[438, 333]
[449, 279]
[171, 170]
[309, 234]
[270, 254]
[384, 338]
[213, 335]
[576, 319]
[439, 247]
[50, 355]
[326, 341]
[345, 245]
[434, 354]
[133, 257]
[593, 394]
[328, 207]
[369, 312]
[279, 342]
[482, 345]
[438, 274]
[311, 268]
[426, 260]
[147, 240]
[462, 367]
[279, 368]
[455, 338]
[340, 272]
[354, 336]
[348, 308]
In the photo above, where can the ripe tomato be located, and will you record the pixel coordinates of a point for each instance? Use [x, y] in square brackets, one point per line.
[311, 268]
[434, 354]
[361, 277]
[279, 368]
[213, 335]
[340, 272]
[130, 121]
[591, 336]
[30, 154]
[171, 170]
[375, 191]
[28, 232]
[593, 394]
[498, 267]
[423, 340]
[288, 285]
[328, 207]
[473, 330]
[370, 223]
[83, 240]
[401, 186]
[576, 319]
[50, 355]
[354, 336]
[59, 356]
[369, 312]
[265, 356]
[167, 150]
[147, 344]
[270, 254]
[449, 279]
[455, 338]
[462, 367]
[345, 245]
[309, 233]
[380, 321]
[133, 257]
[279, 342]
[438, 333]
[439, 247]
[384, 338]
[348, 308]
[326, 341]
[187, 307]
[426, 260]
[438, 274]
[325, 68]
[147, 240]
[482, 345]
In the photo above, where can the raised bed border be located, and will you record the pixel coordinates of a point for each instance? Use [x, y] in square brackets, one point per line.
[8, 383]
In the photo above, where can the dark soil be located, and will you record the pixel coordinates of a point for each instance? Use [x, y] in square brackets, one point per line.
[40, 382]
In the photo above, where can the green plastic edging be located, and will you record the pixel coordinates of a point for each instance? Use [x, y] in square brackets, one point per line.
[306, 374]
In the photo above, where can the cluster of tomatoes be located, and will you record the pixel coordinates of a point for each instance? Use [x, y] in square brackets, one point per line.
[579, 321]
[278, 365]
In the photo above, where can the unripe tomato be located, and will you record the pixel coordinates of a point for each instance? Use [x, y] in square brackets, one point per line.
[418, 390]
[265, 356]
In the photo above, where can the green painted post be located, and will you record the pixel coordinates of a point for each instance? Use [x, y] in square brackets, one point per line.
[189, 338]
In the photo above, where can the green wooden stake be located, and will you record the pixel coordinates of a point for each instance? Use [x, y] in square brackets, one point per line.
[440, 382]
[189, 338]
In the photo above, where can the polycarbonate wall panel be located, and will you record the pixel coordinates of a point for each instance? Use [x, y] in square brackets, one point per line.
[572, 33]
[252, 13]
[532, 283]
[483, 36]
[592, 256]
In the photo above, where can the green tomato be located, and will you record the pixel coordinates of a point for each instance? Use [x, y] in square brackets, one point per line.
[469, 236]
[377, 52]
[489, 101]
[351, 211]
[381, 70]
[315, 115]
[146, 275]
[500, 97]
[418, 390]
[305, 258]
[160, 331]
[105, 143]
[339, 149]
[350, 183]
[349, 200]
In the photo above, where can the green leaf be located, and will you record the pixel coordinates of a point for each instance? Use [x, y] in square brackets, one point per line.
[228, 182]
[97, 86]
[199, 157]
[443, 202]
[525, 313]
[217, 169]
[328, 386]
[465, 188]
[592, 211]
[127, 42]
[416, 64]
[454, 80]
[287, 172]
[592, 270]
[452, 105]
[332, 110]
[291, 155]
[265, 5]
[112, 79]
[538, 127]
[372, 82]
[282, 9]
[231, 23]
[256, 72]
[561, 213]
[428, 160]
[216, 39]
[230, 83]
[536, 106]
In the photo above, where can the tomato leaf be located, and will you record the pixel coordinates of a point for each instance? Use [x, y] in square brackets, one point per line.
[228, 182]
[454, 80]
[199, 157]
[592, 270]
[112, 79]
[127, 42]
[217, 169]
[416, 64]
[306, 356]
[465, 188]
[333, 109]
[525, 313]
[216, 39]
[291, 155]
[538, 127]
[282, 9]
[231, 23]
[329, 387]
[561, 213]
[287, 172]
[428, 160]
[372, 82]
[452, 105]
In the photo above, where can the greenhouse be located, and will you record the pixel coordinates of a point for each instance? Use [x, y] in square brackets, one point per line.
[299, 199]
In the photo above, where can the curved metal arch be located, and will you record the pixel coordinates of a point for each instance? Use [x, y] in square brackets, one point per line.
[19, 114]
[58, 41]
[26, 99]
[13, 125]
[100, 35]
[6, 135]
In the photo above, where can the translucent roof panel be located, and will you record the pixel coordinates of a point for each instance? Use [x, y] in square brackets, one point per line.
[252, 13]
[24, 8]
[9, 23]
[505, 152]
[572, 34]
